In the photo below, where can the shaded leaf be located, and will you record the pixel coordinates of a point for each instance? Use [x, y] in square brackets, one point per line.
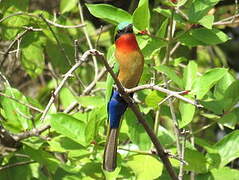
[199, 8]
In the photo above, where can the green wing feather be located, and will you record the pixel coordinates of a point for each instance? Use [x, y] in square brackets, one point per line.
[109, 80]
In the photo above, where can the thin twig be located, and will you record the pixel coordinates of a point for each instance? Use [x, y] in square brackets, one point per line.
[66, 76]
[166, 91]
[33, 132]
[89, 88]
[17, 164]
[11, 15]
[227, 20]
[56, 38]
[21, 102]
[166, 61]
[20, 35]
[88, 38]
[180, 175]
[97, 41]
[64, 26]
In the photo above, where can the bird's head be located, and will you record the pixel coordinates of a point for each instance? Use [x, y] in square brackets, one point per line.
[123, 28]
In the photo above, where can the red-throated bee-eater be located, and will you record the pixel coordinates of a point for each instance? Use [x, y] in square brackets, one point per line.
[131, 63]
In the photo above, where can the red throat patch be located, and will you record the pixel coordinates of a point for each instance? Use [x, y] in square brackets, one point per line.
[126, 43]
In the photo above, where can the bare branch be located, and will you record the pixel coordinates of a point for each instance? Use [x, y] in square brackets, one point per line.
[33, 132]
[64, 26]
[66, 77]
[166, 91]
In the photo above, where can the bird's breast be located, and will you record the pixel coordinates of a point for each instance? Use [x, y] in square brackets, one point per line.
[130, 67]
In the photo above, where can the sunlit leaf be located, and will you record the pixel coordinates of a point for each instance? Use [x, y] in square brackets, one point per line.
[142, 22]
[68, 126]
[142, 166]
[109, 13]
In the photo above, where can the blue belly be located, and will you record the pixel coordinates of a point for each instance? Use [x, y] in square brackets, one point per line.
[116, 108]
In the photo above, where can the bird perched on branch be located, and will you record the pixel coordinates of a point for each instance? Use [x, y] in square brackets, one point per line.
[131, 62]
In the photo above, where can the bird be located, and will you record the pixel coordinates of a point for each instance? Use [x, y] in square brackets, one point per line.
[131, 62]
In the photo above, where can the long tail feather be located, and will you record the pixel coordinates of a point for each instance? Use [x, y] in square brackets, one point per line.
[110, 153]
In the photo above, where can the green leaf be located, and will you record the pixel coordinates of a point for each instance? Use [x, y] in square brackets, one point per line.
[204, 83]
[209, 36]
[14, 24]
[222, 85]
[109, 84]
[153, 46]
[153, 99]
[231, 95]
[163, 29]
[15, 112]
[142, 166]
[141, 15]
[207, 21]
[199, 8]
[64, 144]
[56, 56]
[187, 112]
[137, 133]
[189, 75]
[197, 162]
[91, 101]
[66, 97]
[225, 173]
[96, 116]
[32, 59]
[43, 157]
[67, 5]
[68, 126]
[112, 175]
[228, 148]
[18, 171]
[231, 119]
[203, 36]
[109, 13]
[165, 136]
[171, 74]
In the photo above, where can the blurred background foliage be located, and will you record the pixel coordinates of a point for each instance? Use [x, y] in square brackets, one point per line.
[38, 45]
